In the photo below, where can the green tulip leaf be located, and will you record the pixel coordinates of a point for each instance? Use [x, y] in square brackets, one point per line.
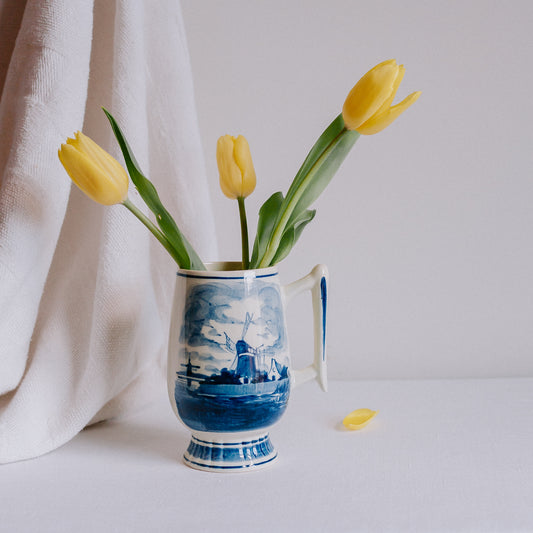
[316, 172]
[285, 246]
[265, 222]
[183, 252]
[292, 234]
[326, 170]
[329, 134]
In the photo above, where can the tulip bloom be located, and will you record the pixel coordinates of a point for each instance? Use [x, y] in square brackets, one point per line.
[94, 171]
[103, 179]
[235, 166]
[237, 180]
[367, 108]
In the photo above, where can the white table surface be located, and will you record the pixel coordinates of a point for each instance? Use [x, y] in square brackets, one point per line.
[440, 456]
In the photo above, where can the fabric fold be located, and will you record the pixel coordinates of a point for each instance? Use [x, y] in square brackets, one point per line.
[86, 290]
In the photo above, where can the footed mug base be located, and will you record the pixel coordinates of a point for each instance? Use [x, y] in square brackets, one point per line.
[216, 452]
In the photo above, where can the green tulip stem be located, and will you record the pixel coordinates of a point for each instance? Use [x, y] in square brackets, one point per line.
[244, 234]
[158, 234]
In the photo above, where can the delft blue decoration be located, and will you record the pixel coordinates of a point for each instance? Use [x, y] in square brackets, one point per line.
[234, 367]
[229, 456]
[324, 300]
[228, 373]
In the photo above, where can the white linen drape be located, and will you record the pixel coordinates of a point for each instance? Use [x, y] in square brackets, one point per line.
[85, 290]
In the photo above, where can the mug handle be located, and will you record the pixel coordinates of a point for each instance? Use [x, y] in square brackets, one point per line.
[317, 282]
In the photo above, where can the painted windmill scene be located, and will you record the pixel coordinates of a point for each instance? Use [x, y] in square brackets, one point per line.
[233, 371]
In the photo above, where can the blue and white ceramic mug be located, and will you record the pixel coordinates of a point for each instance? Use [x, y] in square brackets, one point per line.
[229, 367]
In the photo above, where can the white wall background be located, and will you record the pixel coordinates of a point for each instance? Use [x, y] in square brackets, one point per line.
[428, 227]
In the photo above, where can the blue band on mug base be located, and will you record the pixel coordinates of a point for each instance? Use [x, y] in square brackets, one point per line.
[231, 456]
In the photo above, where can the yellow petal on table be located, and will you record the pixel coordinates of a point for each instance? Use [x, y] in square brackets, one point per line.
[359, 418]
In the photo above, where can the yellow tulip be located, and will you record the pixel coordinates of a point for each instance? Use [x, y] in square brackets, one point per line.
[235, 166]
[367, 108]
[94, 171]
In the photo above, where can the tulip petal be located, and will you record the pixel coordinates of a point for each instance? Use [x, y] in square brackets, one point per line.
[359, 418]
[88, 176]
[370, 93]
[388, 102]
[230, 174]
[380, 121]
[100, 157]
[243, 158]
